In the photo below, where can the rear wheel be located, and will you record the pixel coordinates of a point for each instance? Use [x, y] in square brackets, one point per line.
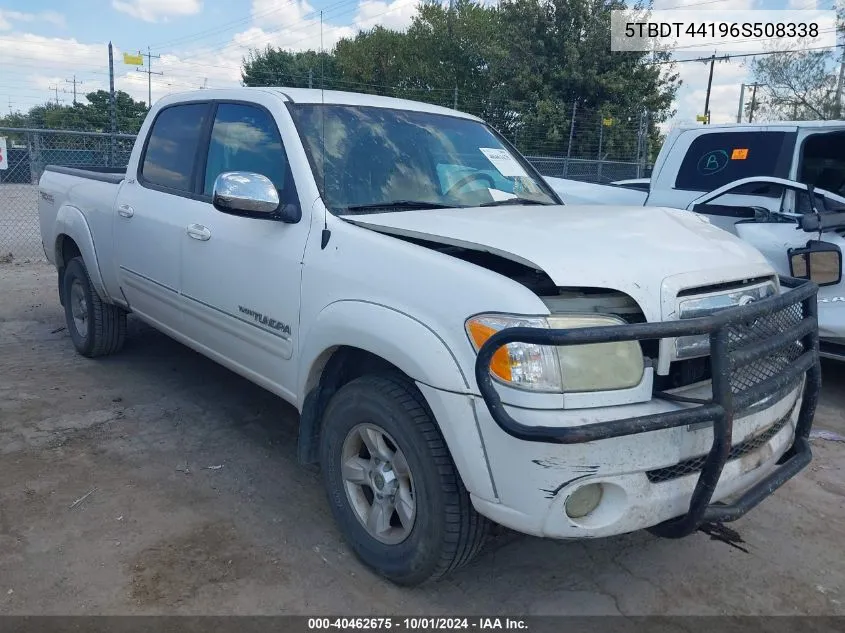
[392, 485]
[95, 327]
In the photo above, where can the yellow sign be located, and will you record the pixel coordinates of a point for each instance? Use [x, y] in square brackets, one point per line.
[607, 122]
[133, 60]
[702, 118]
[739, 153]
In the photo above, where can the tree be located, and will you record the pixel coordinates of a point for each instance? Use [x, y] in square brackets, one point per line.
[130, 113]
[375, 61]
[275, 67]
[89, 117]
[519, 65]
[795, 85]
[798, 84]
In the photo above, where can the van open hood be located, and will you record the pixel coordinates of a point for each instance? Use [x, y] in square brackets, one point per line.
[630, 249]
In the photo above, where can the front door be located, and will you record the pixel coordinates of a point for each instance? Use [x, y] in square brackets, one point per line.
[241, 275]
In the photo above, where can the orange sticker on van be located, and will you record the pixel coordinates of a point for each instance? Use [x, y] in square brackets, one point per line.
[739, 153]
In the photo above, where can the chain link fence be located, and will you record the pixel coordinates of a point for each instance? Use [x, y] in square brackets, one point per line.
[30, 150]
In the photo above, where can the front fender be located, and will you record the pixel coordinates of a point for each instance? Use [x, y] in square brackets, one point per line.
[422, 355]
[71, 221]
[395, 336]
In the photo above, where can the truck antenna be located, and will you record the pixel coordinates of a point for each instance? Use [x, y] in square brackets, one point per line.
[326, 235]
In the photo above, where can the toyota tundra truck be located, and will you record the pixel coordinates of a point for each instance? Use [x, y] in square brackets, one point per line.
[463, 348]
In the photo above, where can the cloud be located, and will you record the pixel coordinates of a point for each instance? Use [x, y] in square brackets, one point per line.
[392, 15]
[7, 18]
[157, 10]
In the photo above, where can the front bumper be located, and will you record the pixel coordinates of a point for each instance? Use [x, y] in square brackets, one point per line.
[741, 338]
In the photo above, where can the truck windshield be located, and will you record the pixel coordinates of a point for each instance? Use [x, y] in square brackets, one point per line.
[370, 159]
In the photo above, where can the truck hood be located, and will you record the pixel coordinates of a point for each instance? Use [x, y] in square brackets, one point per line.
[645, 252]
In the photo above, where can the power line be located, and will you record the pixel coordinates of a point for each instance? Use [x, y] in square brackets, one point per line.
[741, 55]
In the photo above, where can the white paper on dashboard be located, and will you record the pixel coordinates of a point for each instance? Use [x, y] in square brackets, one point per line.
[498, 194]
[503, 162]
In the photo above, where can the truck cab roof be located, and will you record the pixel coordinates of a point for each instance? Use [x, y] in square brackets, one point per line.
[763, 125]
[315, 95]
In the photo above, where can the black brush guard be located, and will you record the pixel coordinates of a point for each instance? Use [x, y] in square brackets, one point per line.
[729, 356]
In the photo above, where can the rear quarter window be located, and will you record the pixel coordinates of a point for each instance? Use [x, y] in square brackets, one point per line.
[718, 158]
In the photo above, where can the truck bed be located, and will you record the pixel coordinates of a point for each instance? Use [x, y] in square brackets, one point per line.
[113, 175]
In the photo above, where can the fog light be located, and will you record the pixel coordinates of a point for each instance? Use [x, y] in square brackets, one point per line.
[583, 501]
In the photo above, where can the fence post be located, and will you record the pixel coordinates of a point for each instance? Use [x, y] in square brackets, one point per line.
[571, 134]
[601, 139]
[35, 160]
[112, 108]
[641, 132]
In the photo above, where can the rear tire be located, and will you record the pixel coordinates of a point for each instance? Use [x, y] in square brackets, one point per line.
[96, 328]
[432, 527]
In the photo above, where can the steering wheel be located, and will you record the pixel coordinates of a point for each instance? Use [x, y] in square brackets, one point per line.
[478, 175]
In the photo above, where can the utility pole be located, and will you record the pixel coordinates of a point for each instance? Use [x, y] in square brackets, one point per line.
[741, 103]
[56, 88]
[709, 85]
[753, 101]
[150, 74]
[73, 81]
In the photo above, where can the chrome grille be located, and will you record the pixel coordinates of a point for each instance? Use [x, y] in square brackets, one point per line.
[691, 305]
[761, 329]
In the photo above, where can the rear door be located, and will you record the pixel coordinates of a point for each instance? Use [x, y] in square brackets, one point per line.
[241, 275]
[152, 208]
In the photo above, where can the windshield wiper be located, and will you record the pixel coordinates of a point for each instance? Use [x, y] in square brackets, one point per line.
[500, 203]
[395, 205]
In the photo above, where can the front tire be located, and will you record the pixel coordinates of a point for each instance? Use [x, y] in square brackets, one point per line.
[96, 328]
[391, 483]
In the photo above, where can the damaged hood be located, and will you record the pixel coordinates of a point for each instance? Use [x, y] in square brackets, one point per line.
[631, 249]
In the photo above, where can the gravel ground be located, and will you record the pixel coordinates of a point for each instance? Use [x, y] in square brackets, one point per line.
[157, 482]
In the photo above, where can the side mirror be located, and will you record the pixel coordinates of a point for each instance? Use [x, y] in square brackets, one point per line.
[245, 193]
[820, 262]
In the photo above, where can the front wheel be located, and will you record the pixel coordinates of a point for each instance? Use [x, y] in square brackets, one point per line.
[392, 485]
[95, 327]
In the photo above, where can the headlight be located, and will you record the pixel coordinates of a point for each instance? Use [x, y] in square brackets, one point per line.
[556, 369]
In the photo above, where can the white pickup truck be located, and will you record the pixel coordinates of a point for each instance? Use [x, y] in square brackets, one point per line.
[461, 346]
[755, 181]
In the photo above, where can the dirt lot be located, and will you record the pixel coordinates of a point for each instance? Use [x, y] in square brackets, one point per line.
[195, 504]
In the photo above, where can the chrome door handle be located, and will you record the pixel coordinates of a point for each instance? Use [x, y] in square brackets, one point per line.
[126, 211]
[198, 232]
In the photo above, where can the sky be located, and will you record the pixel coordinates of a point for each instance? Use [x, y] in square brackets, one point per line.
[47, 44]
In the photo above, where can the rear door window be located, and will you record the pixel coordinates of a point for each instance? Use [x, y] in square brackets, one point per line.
[171, 150]
[718, 158]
